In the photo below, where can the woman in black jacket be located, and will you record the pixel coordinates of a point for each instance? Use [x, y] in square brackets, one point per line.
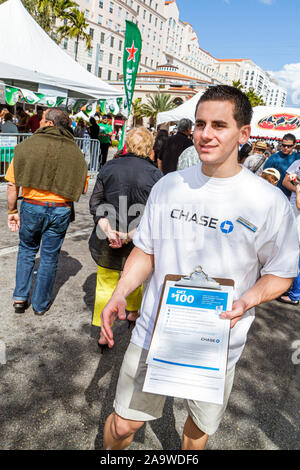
[122, 188]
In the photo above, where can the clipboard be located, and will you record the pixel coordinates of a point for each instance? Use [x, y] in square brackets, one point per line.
[183, 375]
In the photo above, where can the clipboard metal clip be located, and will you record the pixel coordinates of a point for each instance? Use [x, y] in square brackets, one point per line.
[198, 278]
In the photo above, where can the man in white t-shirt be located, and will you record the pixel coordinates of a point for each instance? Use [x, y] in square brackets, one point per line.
[192, 218]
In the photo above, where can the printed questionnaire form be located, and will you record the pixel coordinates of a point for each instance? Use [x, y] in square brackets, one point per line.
[188, 353]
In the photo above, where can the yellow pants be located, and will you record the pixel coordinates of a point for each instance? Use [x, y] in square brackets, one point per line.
[107, 280]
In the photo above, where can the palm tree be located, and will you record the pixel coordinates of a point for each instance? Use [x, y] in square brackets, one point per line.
[137, 111]
[157, 104]
[74, 27]
[55, 10]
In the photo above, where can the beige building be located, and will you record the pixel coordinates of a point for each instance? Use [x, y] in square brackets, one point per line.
[166, 39]
[168, 43]
[183, 51]
[252, 76]
[106, 20]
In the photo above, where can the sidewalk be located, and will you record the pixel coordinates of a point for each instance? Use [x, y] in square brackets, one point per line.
[56, 388]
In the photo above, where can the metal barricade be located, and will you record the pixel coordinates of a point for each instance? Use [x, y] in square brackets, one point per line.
[91, 151]
[7, 145]
[89, 147]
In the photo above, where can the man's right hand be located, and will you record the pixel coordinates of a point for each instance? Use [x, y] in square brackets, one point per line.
[116, 307]
[13, 222]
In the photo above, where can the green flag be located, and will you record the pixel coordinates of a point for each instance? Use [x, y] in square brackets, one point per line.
[91, 108]
[11, 95]
[102, 106]
[29, 96]
[78, 105]
[61, 101]
[131, 60]
[70, 104]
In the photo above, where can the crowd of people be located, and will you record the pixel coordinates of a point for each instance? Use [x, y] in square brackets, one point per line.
[221, 177]
[21, 122]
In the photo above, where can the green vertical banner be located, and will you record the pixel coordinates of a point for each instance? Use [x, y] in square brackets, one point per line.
[131, 60]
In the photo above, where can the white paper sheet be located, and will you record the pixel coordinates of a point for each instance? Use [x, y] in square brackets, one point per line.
[188, 353]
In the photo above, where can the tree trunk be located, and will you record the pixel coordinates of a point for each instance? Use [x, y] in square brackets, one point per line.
[77, 45]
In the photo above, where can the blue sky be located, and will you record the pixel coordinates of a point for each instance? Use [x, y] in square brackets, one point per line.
[265, 31]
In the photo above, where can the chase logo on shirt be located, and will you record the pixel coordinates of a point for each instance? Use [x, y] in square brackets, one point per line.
[226, 226]
[204, 220]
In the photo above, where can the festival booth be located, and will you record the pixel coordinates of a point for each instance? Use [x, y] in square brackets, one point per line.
[32, 63]
[268, 123]
[185, 110]
[272, 123]
[34, 70]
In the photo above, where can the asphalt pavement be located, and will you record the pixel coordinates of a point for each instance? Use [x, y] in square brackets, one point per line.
[56, 389]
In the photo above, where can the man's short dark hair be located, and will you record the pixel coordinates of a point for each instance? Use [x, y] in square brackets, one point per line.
[58, 117]
[242, 107]
[184, 125]
[289, 137]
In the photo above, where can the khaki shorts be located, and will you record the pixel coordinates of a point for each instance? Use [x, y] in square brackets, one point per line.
[134, 404]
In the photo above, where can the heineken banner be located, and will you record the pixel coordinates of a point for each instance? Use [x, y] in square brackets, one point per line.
[90, 108]
[113, 106]
[29, 96]
[131, 60]
[11, 95]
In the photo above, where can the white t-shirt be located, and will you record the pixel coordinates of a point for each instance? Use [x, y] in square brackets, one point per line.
[191, 219]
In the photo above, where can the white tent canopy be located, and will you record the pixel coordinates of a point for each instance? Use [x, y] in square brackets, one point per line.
[267, 122]
[28, 54]
[186, 110]
[275, 122]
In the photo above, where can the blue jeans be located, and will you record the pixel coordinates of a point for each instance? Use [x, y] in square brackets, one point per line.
[294, 293]
[41, 227]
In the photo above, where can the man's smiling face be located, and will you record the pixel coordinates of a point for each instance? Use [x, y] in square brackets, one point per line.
[217, 135]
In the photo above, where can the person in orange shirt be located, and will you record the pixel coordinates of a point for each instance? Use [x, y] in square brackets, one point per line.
[52, 172]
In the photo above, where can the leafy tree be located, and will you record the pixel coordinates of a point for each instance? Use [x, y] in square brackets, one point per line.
[237, 84]
[75, 27]
[255, 100]
[158, 103]
[54, 10]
